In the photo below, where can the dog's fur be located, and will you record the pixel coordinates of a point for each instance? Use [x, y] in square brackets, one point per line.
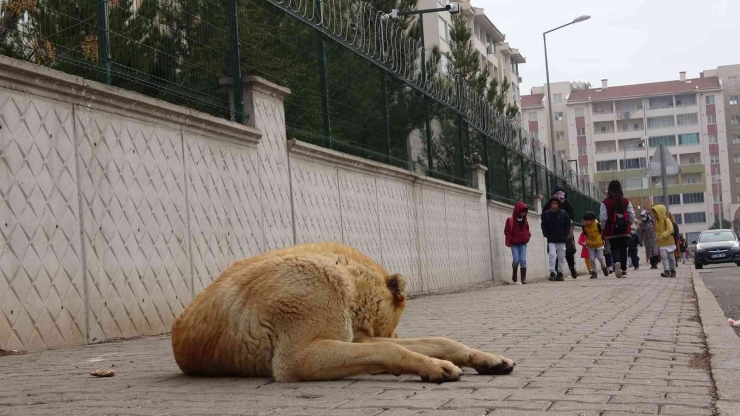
[312, 312]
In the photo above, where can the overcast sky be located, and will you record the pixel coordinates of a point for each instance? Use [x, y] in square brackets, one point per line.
[626, 41]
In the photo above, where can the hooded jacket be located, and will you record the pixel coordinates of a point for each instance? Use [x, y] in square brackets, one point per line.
[663, 227]
[566, 205]
[555, 225]
[593, 234]
[516, 229]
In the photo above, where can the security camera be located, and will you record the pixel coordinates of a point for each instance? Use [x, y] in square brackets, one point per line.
[453, 8]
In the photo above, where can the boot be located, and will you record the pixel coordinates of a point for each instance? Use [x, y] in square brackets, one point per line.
[559, 277]
[513, 274]
[573, 272]
[524, 275]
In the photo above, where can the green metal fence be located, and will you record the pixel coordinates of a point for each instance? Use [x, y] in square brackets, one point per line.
[356, 78]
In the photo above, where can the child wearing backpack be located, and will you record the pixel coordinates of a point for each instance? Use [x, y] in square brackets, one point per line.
[556, 229]
[595, 243]
[617, 213]
[666, 243]
[517, 235]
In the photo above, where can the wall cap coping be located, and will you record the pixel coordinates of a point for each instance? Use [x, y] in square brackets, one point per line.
[476, 166]
[260, 84]
[26, 77]
[318, 154]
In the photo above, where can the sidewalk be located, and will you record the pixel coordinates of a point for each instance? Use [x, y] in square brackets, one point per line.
[607, 347]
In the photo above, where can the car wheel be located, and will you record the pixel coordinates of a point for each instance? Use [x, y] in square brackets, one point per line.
[738, 263]
[699, 266]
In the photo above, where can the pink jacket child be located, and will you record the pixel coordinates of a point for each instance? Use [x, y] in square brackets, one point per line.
[582, 243]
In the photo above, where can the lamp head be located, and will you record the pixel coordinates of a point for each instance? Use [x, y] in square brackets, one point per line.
[581, 18]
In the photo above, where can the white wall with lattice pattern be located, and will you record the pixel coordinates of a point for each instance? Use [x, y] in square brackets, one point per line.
[117, 209]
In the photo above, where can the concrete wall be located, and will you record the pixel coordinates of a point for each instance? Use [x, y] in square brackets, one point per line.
[117, 208]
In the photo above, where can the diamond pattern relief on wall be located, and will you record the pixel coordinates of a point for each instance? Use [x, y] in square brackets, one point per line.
[316, 202]
[359, 204]
[135, 224]
[41, 288]
[477, 239]
[225, 210]
[398, 231]
[458, 239]
[435, 238]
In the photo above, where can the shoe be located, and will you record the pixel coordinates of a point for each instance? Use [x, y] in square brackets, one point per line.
[552, 277]
[559, 278]
[573, 272]
[513, 273]
[594, 275]
[637, 267]
[654, 267]
[618, 269]
[524, 275]
[666, 273]
[624, 274]
[673, 273]
[605, 270]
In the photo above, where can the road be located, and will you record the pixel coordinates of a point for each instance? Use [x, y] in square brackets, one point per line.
[724, 282]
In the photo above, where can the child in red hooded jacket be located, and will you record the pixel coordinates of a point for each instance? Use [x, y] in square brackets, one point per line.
[517, 236]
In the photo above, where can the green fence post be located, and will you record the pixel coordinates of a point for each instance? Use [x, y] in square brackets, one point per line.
[506, 166]
[387, 116]
[324, 85]
[104, 53]
[235, 64]
[461, 147]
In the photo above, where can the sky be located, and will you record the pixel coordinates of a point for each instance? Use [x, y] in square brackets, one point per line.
[625, 41]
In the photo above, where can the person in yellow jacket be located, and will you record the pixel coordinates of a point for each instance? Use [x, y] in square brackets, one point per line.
[594, 243]
[666, 243]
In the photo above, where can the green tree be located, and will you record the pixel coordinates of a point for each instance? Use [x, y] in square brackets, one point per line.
[727, 225]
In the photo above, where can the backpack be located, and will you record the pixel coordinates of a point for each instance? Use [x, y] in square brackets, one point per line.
[619, 218]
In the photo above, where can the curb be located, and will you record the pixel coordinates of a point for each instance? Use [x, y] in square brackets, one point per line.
[724, 348]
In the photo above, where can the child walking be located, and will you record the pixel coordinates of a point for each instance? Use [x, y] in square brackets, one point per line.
[556, 229]
[595, 243]
[666, 243]
[584, 251]
[517, 235]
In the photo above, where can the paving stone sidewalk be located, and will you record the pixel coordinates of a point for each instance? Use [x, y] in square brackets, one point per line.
[605, 347]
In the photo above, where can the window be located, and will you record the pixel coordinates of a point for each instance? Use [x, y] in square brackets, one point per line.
[716, 179]
[711, 119]
[561, 154]
[735, 120]
[635, 163]
[717, 198]
[737, 178]
[658, 199]
[736, 159]
[695, 217]
[443, 34]
[693, 180]
[658, 122]
[584, 170]
[732, 81]
[604, 129]
[560, 135]
[658, 140]
[687, 119]
[535, 134]
[674, 199]
[714, 159]
[693, 198]
[679, 218]
[582, 150]
[532, 116]
[559, 116]
[660, 102]
[580, 111]
[635, 183]
[691, 237]
[736, 139]
[606, 166]
[580, 131]
[557, 98]
[688, 139]
[734, 99]
[713, 139]
[710, 99]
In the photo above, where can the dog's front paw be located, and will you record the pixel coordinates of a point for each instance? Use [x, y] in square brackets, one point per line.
[440, 371]
[490, 364]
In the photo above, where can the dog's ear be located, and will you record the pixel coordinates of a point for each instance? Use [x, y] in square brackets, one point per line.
[397, 285]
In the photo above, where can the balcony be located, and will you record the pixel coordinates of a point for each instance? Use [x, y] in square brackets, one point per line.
[629, 114]
[602, 113]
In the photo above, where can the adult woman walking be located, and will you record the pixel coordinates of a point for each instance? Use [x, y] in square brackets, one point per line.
[617, 213]
[646, 230]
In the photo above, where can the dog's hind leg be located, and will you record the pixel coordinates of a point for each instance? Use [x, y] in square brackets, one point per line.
[331, 359]
[453, 351]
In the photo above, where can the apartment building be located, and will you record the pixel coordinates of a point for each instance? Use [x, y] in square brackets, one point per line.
[610, 126]
[495, 53]
[729, 77]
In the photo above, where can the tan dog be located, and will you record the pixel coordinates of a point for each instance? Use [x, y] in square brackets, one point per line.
[312, 312]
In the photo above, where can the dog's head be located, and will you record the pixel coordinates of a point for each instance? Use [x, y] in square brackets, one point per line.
[391, 307]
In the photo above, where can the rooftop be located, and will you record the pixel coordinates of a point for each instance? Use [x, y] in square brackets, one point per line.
[533, 100]
[640, 90]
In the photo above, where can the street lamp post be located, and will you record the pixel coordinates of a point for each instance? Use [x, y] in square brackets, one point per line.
[547, 72]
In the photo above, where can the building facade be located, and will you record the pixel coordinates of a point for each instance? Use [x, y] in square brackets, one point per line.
[612, 132]
[729, 77]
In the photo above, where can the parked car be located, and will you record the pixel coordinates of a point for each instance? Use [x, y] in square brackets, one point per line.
[716, 247]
